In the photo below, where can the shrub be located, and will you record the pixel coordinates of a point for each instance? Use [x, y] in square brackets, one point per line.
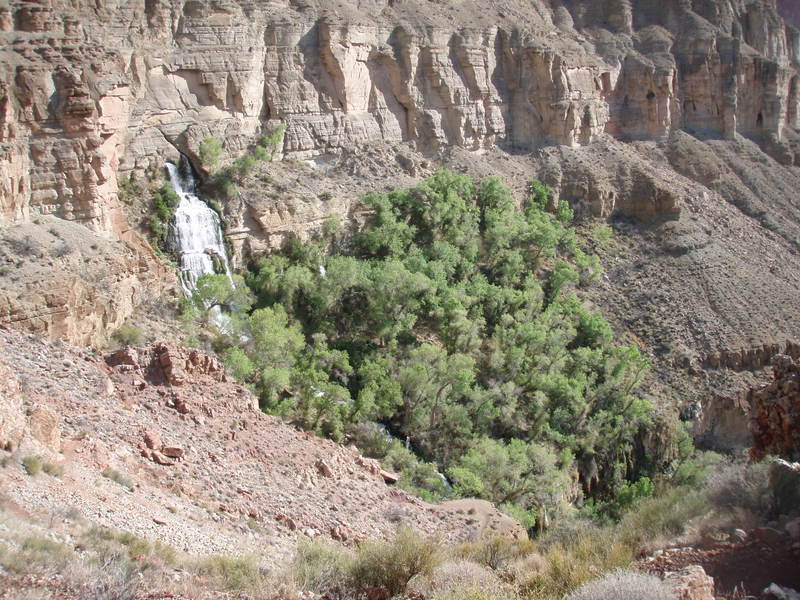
[117, 477]
[112, 580]
[577, 558]
[662, 517]
[623, 584]
[33, 465]
[495, 552]
[319, 567]
[62, 250]
[454, 579]
[127, 335]
[392, 564]
[210, 152]
[273, 141]
[52, 469]
[740, 486]
[233, 572]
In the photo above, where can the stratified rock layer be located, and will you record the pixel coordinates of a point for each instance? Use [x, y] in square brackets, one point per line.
[90, 90]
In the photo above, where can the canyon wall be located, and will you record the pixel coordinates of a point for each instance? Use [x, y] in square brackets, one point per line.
[92, 90]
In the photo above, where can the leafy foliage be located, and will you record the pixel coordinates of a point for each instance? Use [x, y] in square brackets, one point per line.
[164, 203]
[210, 152]
[452, 317]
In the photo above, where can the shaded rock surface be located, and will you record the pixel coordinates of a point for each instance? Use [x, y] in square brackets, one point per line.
[775, 412]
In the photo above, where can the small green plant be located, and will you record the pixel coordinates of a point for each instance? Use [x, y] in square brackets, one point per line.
[602, 235]
[32, 465]
[117, 477]
[127, 335]
[52, 469]
[210, 152]
[273, 141]
[164, 203]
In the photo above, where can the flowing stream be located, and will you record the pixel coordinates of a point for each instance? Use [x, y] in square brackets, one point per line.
[197, 234]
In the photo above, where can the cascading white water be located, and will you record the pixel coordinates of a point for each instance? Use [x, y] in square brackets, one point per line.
[197, 234]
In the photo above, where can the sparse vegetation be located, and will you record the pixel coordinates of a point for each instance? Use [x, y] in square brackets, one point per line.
[52, 469]
[32, 465]
[233, 572]
[117, 477]
[319, 567]
[127, 335]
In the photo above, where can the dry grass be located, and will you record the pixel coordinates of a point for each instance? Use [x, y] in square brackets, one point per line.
[233, 572]
[319, 567]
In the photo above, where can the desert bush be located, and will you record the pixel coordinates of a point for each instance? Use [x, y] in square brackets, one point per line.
[52, 469]
[392, 564]
[117, 477]
[233, 572]
[661, 518]
[319, 567]
[623, 584]
[494, 552]
[458, 577]
[111, 580]
[523, 569]
[127, 335]
[25, 246]
[62, 250]
[32, 465]
[577, 557]
[738, 486]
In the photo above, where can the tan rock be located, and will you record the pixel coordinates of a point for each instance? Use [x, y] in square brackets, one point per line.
[12, 416]
[172, 451]
[691, 583]
[44, 427]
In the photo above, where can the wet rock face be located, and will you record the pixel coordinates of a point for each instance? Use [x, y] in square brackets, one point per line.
[775, 412]
[87, 92]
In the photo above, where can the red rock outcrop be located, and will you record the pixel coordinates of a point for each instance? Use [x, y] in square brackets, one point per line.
[775, 412]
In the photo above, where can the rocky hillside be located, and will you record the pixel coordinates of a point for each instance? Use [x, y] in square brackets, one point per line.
[177, 453]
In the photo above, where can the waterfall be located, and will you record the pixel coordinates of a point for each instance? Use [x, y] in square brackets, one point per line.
[197, 234]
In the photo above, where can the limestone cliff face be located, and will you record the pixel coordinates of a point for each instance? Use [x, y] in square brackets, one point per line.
[89, 91]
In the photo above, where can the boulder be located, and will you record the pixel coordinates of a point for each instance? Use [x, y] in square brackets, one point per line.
[691, 583]
[44, 427]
